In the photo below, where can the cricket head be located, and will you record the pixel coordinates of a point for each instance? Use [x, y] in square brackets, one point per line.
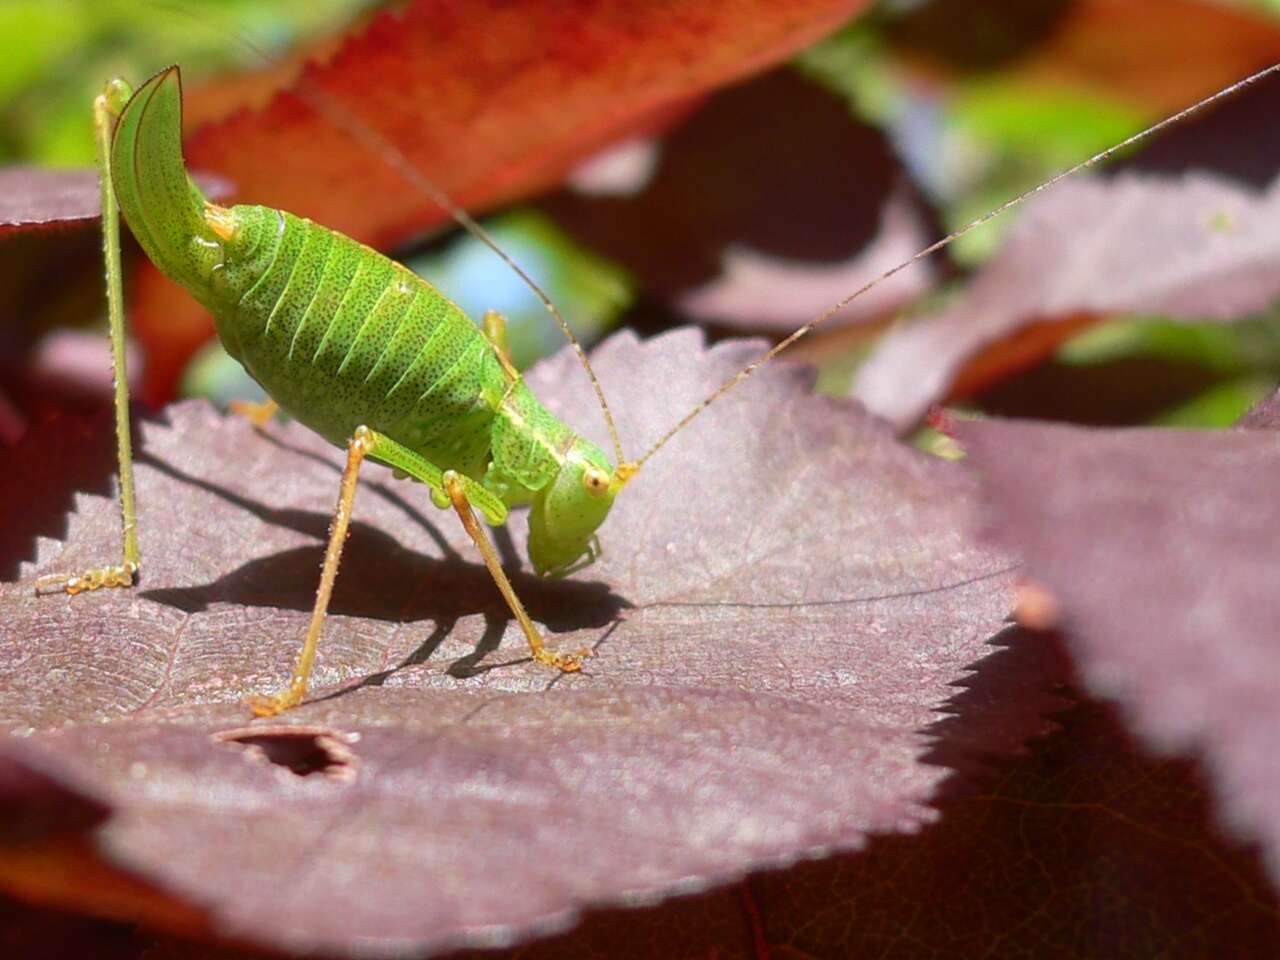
[567, 512]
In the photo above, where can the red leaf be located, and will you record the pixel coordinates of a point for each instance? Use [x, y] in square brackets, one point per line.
[490, 100]
[1087, 849]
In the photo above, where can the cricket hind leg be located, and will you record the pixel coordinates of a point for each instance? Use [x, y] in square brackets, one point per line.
[568, 662]
[106, 107]
[358, 447]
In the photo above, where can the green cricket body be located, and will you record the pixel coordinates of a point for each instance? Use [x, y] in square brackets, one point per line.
[341, 336]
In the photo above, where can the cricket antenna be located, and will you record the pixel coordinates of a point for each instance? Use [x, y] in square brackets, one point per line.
[342, 118]
[835, 308]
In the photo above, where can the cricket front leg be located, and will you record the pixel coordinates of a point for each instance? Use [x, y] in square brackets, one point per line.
[465, 495]
[455, 487]
[106, 108]
[358, 447]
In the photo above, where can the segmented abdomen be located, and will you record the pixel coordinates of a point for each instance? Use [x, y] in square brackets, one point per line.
[340, 335]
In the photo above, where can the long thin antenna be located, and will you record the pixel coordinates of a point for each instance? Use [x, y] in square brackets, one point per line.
[343, 119]
[1097, 158]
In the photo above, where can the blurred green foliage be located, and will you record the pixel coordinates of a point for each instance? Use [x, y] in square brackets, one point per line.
[987, 135]
[986, 138]
[598, 289]
[55, 56]
[1243, 356]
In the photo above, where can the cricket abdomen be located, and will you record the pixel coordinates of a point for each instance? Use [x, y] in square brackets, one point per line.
[340, 335]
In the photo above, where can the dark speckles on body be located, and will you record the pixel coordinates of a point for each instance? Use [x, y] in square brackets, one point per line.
[335, 279]
[286, 316]
[366, 290]
[264, 296]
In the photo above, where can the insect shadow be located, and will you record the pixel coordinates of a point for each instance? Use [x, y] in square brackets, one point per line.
[383, 580]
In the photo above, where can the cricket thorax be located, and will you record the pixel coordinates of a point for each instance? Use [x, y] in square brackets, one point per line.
[528, 445]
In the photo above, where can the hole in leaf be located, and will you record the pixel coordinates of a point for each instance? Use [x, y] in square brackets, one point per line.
[302, 750]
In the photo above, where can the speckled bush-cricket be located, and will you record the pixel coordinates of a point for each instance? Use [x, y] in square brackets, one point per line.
[376, 360]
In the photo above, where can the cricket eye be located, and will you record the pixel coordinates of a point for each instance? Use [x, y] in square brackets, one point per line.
[596, 481]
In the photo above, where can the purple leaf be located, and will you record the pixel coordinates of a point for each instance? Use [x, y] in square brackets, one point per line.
[35, 198]
[1100, 842]
[786, 600]
[81, 460]
[1195, 247]
[762, 210]
[36, 804]
[1265, 415]
[1158, 547]
[1088, 848]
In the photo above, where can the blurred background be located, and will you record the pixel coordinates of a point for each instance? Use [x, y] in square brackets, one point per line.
[748, 209]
